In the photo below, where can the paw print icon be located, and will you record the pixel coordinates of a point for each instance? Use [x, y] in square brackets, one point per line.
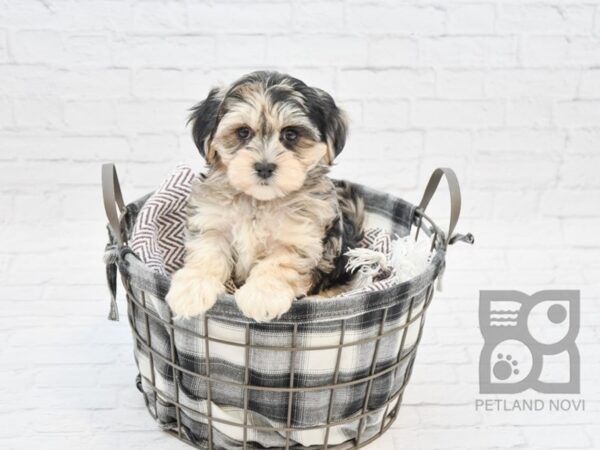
[529, 342]
[505, 367]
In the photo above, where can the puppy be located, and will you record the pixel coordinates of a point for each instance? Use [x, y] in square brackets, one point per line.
[266, 214]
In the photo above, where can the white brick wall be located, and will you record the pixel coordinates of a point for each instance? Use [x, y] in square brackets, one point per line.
[506, 92]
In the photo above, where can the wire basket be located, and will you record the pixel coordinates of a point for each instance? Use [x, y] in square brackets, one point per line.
[327, 374]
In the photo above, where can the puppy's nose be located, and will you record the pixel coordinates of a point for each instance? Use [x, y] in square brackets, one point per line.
[264, 170]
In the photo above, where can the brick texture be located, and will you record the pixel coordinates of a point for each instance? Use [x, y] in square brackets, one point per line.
[506, 92]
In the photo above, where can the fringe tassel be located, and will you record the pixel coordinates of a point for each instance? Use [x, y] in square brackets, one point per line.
[367, 263]
[407, 260]
[440, 284]
[110, 259]
[410, 258]
[366, 260]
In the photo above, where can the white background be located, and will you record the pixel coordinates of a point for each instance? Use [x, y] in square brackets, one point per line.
[506, 93]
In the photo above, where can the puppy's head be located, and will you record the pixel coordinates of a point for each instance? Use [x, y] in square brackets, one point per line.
[267, 131]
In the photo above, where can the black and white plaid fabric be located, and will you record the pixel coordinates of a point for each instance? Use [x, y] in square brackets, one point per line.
[186, 377]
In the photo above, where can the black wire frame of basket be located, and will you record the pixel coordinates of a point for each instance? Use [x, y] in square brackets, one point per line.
[138, 307]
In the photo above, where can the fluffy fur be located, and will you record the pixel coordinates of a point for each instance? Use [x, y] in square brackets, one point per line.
[266, 214]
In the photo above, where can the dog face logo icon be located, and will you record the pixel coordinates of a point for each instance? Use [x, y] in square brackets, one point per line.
[529, 342]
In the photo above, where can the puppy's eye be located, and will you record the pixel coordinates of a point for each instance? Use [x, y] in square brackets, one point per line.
[243, 133]
[289, 135]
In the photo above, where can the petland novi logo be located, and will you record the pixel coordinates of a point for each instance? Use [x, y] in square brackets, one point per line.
[529, 342]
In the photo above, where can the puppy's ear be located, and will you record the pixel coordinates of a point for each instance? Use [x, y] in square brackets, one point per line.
[204, 119]
[334, 125]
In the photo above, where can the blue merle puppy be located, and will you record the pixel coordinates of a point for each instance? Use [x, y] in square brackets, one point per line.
[266, 214]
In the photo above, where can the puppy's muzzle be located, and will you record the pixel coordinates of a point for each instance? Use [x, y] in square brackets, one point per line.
[265, 170]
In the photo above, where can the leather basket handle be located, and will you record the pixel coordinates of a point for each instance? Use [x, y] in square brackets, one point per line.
[114, 206]
[455, 202]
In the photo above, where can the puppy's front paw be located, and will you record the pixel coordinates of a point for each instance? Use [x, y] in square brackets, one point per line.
[264, 299]
[191, 295]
